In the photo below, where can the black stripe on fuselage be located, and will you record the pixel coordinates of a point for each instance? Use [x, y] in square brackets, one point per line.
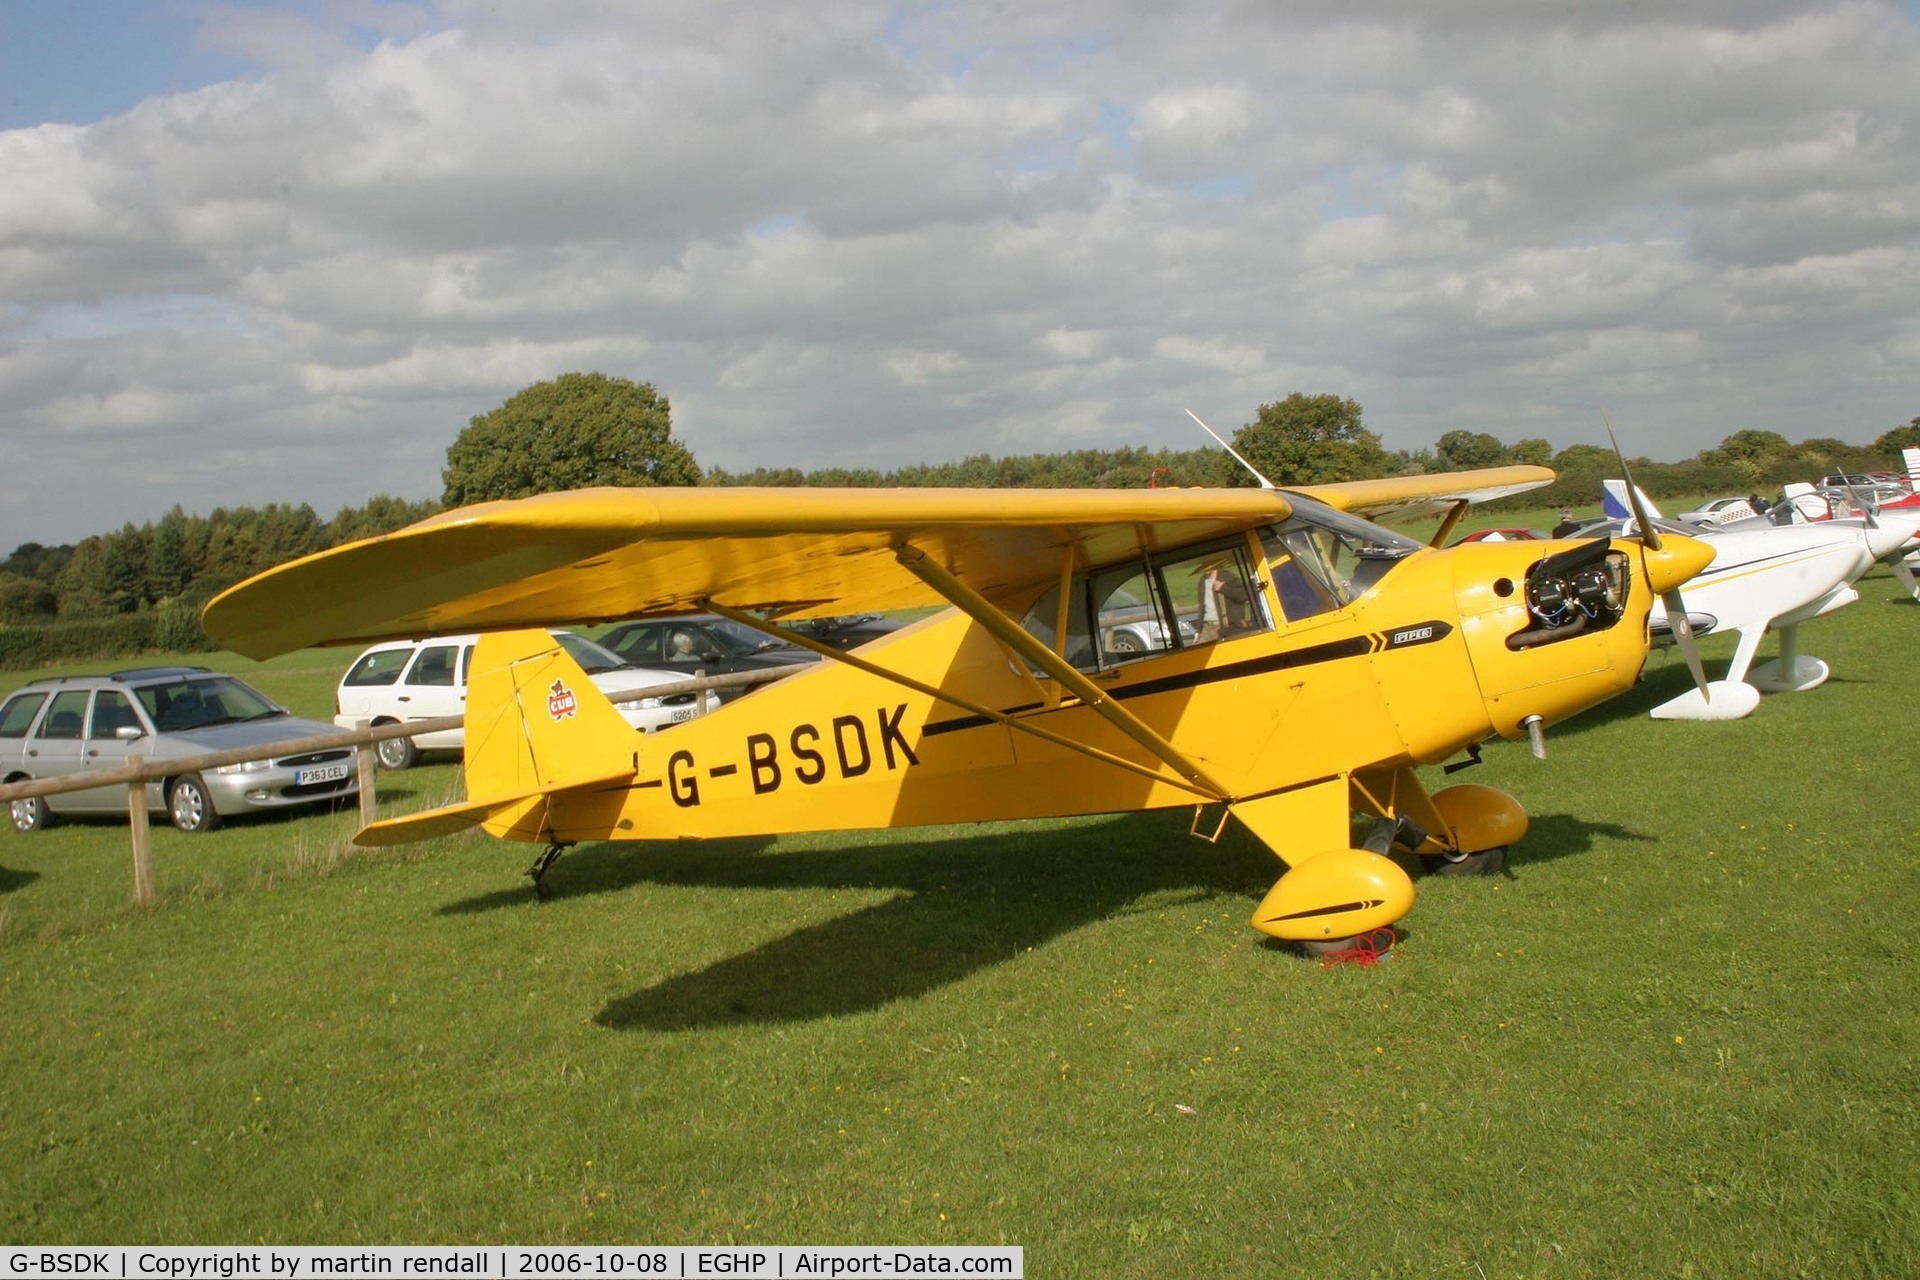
[1307, 656]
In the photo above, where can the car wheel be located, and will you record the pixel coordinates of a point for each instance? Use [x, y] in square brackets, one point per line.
[189, 805]
[31, 815]
[396, 753]
[1126, 642]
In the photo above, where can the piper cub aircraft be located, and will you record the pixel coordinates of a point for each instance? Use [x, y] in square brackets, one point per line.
[1263, 654]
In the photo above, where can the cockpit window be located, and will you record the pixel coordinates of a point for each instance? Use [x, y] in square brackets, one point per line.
[1153, 606]
[1322, 559]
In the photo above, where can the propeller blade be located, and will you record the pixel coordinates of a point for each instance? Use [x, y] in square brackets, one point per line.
[1683, 636]
[1670, 597]
[1869, 510]
[1906, 577]
[1649, 536]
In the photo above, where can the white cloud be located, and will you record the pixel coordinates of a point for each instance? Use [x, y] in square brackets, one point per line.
[854, 235]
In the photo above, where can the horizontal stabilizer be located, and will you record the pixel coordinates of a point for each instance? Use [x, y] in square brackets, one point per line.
[432, 823]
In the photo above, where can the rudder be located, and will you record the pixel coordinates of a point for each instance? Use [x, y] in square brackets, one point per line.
[536, 722]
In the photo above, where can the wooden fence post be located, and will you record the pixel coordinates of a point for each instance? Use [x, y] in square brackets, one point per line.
[142, 836]
[367, 762]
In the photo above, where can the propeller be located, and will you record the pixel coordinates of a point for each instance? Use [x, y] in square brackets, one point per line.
[1668, 569]
[1868, 508]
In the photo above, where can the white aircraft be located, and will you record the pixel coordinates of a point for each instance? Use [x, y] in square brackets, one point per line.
[1803, 504]
[1766, 576]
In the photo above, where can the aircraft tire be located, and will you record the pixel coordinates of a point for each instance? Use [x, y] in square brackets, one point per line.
[1379, 941]
[1487, 862]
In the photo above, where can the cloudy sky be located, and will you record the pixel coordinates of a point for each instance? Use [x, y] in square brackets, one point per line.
[285, 251]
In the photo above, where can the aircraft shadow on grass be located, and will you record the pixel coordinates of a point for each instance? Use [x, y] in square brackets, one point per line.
[11, 880]
[1552, 836]
[962, 906]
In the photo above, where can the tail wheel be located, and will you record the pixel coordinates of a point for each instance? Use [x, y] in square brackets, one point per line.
[31, 815]
[189, 805]
[396, 753]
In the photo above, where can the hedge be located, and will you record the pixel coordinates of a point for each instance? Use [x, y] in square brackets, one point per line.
[171, 628]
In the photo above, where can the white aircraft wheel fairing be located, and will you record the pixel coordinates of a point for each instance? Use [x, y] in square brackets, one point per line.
[1774, 677]
[1731, 700]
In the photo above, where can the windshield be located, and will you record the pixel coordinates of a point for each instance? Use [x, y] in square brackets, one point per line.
[739, 639]
[196, 703]
[1341, 554]
[593, 658]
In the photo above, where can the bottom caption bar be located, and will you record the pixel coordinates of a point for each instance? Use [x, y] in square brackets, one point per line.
[761, 1262]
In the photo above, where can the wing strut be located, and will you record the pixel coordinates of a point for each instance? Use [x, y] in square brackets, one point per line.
[1017, 638]
[1447, 522]
[988, 713]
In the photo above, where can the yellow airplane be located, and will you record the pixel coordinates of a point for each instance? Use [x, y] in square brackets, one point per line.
[1272, 655]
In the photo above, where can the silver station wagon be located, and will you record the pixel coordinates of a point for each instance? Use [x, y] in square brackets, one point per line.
[63, 726]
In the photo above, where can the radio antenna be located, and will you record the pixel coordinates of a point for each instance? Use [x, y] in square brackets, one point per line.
[1255, 471]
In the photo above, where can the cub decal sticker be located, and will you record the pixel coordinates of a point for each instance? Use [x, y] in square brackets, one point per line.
[560, 702]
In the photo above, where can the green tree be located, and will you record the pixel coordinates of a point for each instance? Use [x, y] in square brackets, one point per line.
[1907, 437]
[382, 514]
[1469, 450]
[1311, 440]
[31, 560]
[24, 600]
[120, 575]
[1532, 451]
[578, 430]
[1585, 458]
[1751, 453]
[169, 568]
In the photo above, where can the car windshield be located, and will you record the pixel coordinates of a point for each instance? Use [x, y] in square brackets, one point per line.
[593, 658]
[737, 639]
[827, 626]
[201, 701]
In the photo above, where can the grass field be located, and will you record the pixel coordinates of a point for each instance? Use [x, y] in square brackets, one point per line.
[1677, 1038]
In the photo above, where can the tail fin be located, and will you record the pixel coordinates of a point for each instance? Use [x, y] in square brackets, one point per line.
[535, 725]
[1614, 503]
[535, 722]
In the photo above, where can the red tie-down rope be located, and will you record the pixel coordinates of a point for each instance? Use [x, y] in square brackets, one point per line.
[1368, 949]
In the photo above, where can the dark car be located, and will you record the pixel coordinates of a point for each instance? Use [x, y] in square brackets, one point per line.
[702, 642]
[849, 631]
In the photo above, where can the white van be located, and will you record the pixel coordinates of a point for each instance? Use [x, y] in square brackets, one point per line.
[404, 680]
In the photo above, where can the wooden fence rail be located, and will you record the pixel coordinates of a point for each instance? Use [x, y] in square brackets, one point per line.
[138, 771]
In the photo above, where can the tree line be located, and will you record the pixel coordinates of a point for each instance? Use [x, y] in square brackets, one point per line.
[142, 586]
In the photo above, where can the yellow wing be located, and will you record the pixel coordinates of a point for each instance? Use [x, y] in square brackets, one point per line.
[1401, 497]
[594, 555]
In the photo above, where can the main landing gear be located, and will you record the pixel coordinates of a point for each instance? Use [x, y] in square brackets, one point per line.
[1343, 901]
